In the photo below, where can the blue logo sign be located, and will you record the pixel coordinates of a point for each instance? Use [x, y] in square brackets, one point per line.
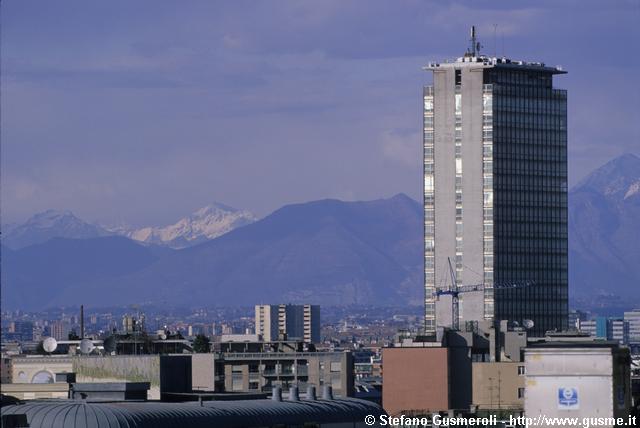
[568, 398]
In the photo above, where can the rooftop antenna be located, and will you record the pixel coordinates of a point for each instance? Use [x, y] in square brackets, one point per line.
[474, 49]
[495, 49]
[81, 322]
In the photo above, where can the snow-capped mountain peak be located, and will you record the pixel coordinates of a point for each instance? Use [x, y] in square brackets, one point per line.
[205, 223]
[634, 189]
[50, 224]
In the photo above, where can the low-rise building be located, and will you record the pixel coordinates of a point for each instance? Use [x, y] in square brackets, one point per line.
[256, 366]
[607, 329]
[479, 369]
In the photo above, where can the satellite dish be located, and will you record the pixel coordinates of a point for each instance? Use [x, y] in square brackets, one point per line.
[86, 346]
[110, 344]
[527, 324]
[49, 344]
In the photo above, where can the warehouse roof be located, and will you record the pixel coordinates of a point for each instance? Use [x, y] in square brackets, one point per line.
[231, 414]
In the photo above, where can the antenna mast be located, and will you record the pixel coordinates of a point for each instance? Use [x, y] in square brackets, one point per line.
[474, 45]
[473, 40]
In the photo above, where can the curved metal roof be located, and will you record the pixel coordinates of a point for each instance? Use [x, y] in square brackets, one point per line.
[231, 414]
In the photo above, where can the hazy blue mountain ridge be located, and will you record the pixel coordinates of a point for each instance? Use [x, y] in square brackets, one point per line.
[326, 252]
[604, 230]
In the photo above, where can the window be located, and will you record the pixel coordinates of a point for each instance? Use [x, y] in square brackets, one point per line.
[42, 376]
[520, 392]
[237, 384]
[520, 370]
[428, 104]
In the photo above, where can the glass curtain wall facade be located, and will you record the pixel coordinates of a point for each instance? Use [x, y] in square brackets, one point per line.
[495, 192]
[530, 204]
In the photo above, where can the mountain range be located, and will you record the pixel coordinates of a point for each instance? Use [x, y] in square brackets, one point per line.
[207, 223]
[325, 252]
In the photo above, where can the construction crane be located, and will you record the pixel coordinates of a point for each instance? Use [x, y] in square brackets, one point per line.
[454, 291]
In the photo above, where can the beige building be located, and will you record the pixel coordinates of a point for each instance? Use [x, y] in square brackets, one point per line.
[41, 370]
[498, 385]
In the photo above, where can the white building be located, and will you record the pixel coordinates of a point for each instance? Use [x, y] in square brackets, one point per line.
[578, 378]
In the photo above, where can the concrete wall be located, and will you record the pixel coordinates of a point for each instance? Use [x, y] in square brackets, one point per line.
[471, 304]
[120, 368]
[415, 379]
[203, 372]
[30, 391]
[495, 385]
[444, 183]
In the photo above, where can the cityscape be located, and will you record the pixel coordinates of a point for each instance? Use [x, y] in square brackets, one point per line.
[475, 264]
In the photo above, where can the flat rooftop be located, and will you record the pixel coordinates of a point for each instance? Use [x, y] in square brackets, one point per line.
[497, 62]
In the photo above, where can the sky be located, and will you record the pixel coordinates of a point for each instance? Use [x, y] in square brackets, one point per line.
[140, 112]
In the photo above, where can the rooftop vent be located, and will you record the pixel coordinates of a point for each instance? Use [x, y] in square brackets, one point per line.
[311, 392]
[327, 392]
[277, 394]
[294, 394]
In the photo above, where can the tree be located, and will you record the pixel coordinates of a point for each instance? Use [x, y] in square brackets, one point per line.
[201, 344]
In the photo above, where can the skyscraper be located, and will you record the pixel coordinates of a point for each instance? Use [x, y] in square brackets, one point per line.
[495, 191]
